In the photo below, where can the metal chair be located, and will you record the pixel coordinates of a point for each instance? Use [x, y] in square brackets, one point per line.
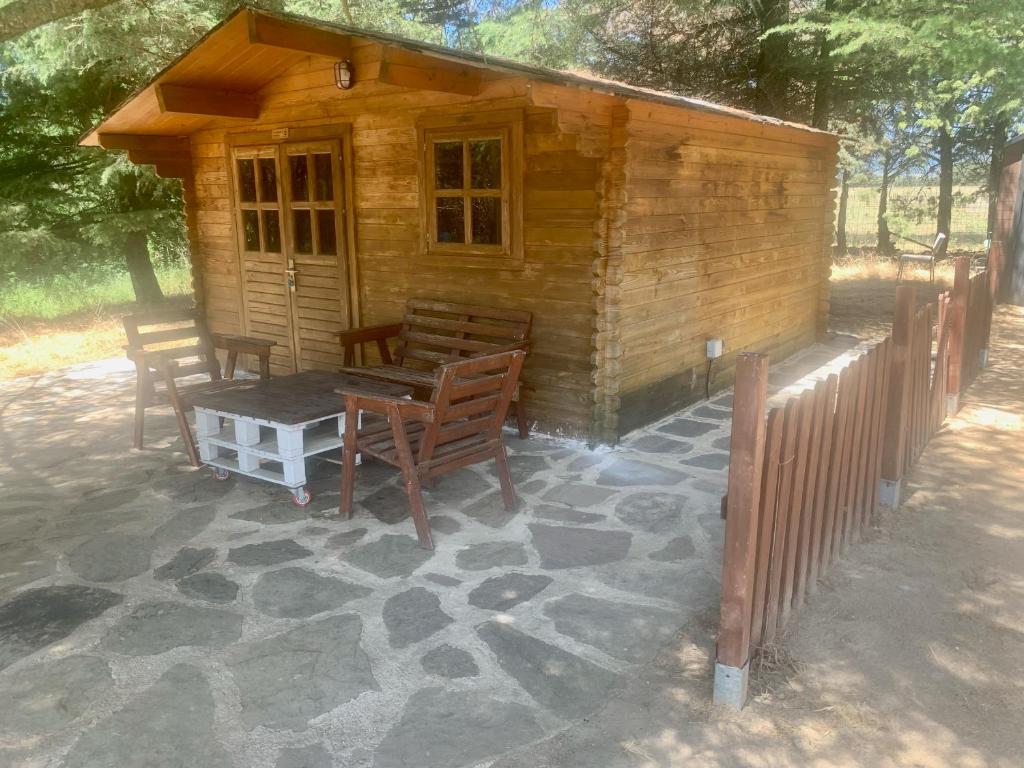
[937, 251]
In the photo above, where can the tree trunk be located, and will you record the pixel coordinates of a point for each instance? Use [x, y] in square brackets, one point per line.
[772, 90]
[823, 82]
[884, 236]
[995, 171]
[944, 219]
[844, 201]
[20, 16]
[140, 267]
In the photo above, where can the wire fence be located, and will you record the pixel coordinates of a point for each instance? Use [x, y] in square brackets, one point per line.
[911, 213]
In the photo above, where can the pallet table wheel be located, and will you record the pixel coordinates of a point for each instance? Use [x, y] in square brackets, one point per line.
[301, 497]
[220, 474]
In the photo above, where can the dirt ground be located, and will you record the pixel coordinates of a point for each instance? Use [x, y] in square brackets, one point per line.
[910, 655]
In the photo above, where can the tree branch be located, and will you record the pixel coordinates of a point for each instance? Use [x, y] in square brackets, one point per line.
[21, 16]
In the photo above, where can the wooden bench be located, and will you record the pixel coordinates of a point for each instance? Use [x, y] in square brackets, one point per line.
[433, 333]
[175, 358]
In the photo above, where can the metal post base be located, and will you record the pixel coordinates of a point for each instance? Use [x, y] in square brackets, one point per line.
[731, 685]
[952, 404]
[889, 493]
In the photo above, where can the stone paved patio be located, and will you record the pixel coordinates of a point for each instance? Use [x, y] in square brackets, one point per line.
[151, 616]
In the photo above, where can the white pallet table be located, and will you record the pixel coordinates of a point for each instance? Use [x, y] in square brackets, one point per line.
[276, 425]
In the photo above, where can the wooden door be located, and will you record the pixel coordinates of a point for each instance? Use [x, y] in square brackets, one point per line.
[317, 281]
[258, 198]
[290, 206]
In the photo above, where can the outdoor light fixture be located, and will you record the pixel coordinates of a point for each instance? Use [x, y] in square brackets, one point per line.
[343, 74]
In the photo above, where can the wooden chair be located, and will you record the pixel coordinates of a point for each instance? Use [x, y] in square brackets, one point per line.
[461, 425]
[175, 358]
[936, 252]
[433, 333]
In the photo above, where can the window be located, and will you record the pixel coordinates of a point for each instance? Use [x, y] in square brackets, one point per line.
[469, 189]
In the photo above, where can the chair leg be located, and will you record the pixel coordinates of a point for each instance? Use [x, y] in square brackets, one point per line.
[412, 481]
[348, 464]
[183, 426]
[521, 420]
[186, 437]
[140, 415]
[508, 491]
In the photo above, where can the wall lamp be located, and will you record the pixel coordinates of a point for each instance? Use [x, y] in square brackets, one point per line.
[343, 74]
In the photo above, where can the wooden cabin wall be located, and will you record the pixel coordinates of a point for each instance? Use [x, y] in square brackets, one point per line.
[727, 234]
[561, 206]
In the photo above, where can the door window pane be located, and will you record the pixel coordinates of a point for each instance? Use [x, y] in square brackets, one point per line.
[448, 165]
[323, 173]
[251, 230]
[450, 220]
[299, 170]
[268, 180]
[303, 231]
[487, 220]
[272, 231]
[328, 237]
[485, 164]
[246, 181]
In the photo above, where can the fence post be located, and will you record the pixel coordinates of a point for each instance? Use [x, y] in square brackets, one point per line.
[957, 331]
[746, 461]
[895, 430]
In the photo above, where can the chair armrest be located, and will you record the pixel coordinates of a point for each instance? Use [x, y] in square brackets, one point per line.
[417, 409]
[246, 345]
[519, 345]
[378, 333]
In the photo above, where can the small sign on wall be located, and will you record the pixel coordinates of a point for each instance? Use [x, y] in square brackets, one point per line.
[279, 133]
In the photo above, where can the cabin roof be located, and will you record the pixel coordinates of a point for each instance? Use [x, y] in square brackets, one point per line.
[252, 46]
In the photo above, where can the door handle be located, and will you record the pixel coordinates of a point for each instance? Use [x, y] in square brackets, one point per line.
[291, 272]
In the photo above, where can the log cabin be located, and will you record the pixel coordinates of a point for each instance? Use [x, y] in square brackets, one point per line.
[331, 173]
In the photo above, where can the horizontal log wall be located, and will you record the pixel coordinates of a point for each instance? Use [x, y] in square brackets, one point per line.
[727, 234]
[562, 166]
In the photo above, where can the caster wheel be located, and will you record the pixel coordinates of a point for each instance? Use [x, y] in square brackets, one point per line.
[220, 474]
[301, 497]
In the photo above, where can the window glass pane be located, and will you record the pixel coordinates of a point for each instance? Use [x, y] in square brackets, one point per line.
[303, 231]
[485, 164]
[328, 238]
[448, 164]
[246, 181]
[450, 220]
[487, 220]
[300, 177]
[251, 230]
[268, 180]
[324, 177]
[272, 231]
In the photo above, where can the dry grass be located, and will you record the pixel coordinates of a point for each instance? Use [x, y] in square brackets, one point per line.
[45, 347]
[875, 267]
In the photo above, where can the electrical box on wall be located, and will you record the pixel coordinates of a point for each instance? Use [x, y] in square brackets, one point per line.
[715, 348]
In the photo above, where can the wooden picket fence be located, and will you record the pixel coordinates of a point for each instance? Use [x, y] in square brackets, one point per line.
[806, 477]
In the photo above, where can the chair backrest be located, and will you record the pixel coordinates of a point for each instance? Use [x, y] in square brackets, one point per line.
[471, 400]
[437, 332]
[939, 246]
[178, 334]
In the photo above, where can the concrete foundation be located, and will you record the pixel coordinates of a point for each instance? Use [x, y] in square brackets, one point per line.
[889, 493]
[952, 404]
[731, 685]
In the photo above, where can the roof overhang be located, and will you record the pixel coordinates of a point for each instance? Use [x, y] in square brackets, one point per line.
[217, 81]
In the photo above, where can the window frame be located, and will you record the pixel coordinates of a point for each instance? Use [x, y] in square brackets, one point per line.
[506, 126]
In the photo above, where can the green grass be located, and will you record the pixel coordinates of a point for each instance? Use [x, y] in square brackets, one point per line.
[970, 216]
[61, 296]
